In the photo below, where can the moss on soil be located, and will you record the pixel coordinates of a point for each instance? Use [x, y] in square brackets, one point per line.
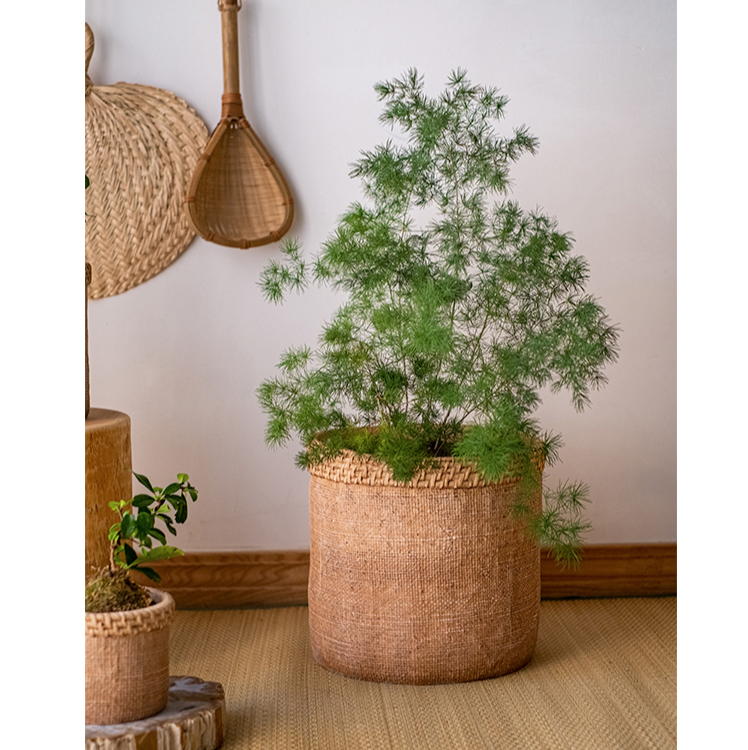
[115, 592]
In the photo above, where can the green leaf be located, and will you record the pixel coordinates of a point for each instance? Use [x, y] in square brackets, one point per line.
[167, 521]
[149, 573]
[145, 523]
[130, 554]
[129, 526]
[182, 478]
[172, 488]
[143, 501]
[158, 535]
[160, 553]
[143, 480]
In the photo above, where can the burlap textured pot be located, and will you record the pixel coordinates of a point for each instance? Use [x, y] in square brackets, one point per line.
[127, 662]
[431, 582]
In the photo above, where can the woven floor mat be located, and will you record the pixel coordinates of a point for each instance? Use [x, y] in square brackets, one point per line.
[603, 676]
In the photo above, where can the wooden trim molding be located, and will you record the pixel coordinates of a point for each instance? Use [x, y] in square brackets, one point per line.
[225, 580]
[613, 570]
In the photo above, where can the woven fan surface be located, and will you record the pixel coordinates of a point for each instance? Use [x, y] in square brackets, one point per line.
[142, 145]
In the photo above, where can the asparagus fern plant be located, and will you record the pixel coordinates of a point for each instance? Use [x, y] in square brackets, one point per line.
[460, 307]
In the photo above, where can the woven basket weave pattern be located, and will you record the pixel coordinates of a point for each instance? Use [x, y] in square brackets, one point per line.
[419, 584]
[237, 196]
[127, 662]
[448, 473]
[142, 145]
[114, 624]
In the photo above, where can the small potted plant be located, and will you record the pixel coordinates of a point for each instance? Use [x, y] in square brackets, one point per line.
[127, 625]
[427, 504]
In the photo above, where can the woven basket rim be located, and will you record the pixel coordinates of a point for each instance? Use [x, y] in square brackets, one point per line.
[374, 471]
[133, 621]
[447, 472]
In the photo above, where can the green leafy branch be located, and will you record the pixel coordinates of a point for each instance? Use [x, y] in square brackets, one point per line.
[460, 308]
[561, 526]
[137, 524]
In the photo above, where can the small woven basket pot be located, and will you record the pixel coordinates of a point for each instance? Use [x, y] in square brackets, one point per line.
[431, 582]
[127, 662]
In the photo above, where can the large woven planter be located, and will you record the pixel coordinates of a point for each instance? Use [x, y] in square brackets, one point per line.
[127, 662]
[431, 582]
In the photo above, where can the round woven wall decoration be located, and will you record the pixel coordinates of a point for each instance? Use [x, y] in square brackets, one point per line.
[142, 145]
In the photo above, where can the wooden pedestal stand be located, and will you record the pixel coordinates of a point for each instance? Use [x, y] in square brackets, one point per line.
[108, 477]
[192, 720]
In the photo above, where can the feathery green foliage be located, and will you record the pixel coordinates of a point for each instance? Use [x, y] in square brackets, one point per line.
[458, 311]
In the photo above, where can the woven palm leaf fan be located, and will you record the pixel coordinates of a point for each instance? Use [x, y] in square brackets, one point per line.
[238, 196]
[142, 145]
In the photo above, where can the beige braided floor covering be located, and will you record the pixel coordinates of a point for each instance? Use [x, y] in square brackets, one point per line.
[603, 676]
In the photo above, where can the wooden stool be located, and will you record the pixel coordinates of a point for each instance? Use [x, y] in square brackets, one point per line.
[108, 477]
[193, 719]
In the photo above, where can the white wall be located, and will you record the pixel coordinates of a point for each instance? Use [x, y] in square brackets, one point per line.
[183, 353]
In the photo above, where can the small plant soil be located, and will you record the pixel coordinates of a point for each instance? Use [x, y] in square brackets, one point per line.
[115, 592]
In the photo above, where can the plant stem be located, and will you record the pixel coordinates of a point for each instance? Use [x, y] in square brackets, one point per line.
[112, 563]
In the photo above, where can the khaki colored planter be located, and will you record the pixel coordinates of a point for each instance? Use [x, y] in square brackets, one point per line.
[127, 662]
[426, 583]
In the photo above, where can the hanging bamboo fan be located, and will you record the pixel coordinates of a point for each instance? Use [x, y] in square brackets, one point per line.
[237, 196]
[142, 145]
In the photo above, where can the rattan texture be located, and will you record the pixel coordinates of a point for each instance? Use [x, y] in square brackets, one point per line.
[117, 624]
[127, 662]
[432, 582]
[238, 196]
[446, 473]
[603, 677]
[142, 145]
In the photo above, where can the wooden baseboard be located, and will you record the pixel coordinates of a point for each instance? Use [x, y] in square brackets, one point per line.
[221, 580]
[224, 580]
[613, 570]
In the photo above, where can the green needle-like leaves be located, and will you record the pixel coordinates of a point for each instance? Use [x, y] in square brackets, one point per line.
[460, 308]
